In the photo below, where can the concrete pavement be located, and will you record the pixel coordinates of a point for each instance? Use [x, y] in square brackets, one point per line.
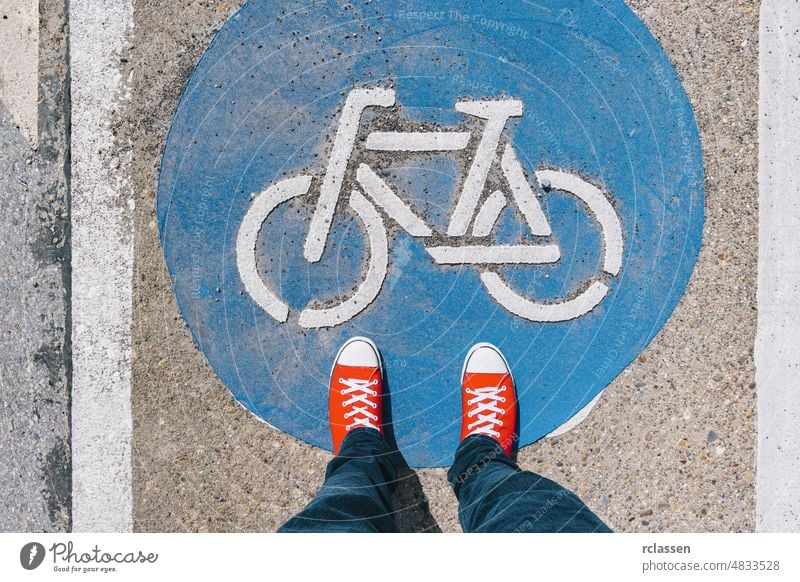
[670, 445]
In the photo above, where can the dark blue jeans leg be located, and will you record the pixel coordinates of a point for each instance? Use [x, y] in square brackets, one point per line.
[494, 495]
[357, 493]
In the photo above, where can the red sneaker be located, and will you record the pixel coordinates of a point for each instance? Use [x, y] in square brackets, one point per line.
[488, 398]
[354, 398]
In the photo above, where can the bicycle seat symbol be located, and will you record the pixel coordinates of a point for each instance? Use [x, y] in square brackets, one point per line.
[470, 224]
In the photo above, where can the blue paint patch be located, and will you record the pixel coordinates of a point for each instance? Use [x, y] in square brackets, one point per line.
[601, 103]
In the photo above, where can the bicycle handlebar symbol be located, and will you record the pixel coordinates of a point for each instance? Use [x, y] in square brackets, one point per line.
[375, 193]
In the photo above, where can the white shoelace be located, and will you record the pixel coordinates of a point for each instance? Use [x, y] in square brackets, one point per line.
[486, 399]
[359, 392]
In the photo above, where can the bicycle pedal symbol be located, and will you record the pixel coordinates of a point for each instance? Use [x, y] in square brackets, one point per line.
[470, 225]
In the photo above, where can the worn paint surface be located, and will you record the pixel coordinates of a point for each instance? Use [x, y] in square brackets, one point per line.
[102, 268]
[777, 361]
[35, 469]
[263, 105]
[19, 64]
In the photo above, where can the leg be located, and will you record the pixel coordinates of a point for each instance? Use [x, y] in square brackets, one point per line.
[356, 495]
[494, 495]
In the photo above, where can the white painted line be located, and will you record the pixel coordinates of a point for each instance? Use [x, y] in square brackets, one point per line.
[545, 312]
[496, 110]
[598, 205]
[19, 64]
[102, 269]
[357, 100]
[388, 200]
[523, 194]
[430, 141]
[777, 351]
[496, 114]
[488, 214]
[495, 255]
[373, 281]
[260, 209]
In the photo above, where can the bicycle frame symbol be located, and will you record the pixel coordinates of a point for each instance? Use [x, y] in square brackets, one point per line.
[375, 193]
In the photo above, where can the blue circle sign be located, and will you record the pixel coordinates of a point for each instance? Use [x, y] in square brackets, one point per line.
[429, 174]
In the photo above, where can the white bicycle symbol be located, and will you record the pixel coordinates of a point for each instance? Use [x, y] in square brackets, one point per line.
[379, 194]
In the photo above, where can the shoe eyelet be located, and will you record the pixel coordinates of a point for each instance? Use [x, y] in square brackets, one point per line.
[502, 399]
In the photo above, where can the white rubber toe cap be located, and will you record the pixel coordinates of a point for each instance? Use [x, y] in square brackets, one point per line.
[484, 358]
[358, 351]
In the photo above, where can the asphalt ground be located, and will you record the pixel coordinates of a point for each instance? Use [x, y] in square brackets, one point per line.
[34, 272]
